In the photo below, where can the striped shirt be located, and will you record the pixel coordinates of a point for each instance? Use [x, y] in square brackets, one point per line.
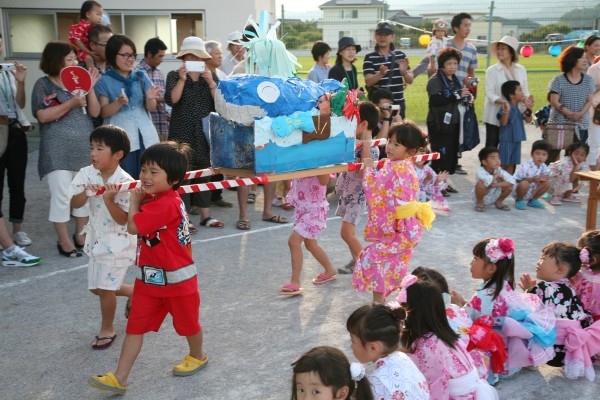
[468, 59]
[573, 96]
[160, 117]
[371, 66]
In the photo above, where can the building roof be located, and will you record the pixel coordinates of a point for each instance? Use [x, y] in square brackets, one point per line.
[356, 3]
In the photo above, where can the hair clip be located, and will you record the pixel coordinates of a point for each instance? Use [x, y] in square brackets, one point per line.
[357, 371]
[584, 256]
[499, 249]
[406, 282]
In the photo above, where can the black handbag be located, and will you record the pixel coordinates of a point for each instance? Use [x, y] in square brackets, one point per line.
[470, 130]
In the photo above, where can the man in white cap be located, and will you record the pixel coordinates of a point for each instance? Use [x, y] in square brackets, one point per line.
[237, 52]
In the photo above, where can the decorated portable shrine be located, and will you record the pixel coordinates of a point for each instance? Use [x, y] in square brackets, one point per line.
[274, 122]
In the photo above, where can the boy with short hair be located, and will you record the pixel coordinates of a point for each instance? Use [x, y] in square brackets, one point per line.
[352, 203]
[110, 248]
[321, 52]
[167, 282]
[532, 177]
[493, 183]
[512, 128]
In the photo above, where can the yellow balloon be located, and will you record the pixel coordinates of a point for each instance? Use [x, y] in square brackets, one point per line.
[424, 40]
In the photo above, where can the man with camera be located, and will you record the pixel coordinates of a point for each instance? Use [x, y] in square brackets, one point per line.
[386, 67]
[13, 162]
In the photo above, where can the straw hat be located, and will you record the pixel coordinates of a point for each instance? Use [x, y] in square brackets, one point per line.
[193, 45]
[510, 41]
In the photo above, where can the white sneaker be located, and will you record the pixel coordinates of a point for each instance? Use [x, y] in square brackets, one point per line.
[21, 239]
[19, 258]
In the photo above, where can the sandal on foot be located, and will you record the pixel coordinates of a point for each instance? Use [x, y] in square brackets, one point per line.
[211, 222]
[77, 245]
[277, 219]
[107, 382]
[502, 207]
[243, 224]
[287, 207]
[290, 289]
[348, 268]
[324, 278]
[192, 229]
[106, 345]
[189, 366]
[480, 208]
[535, 204]
[251, 197]
[277, 202]
[521, 205]
[572, 199]
[70, 254]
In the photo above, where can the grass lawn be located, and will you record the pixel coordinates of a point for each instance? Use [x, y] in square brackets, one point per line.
[541, 68]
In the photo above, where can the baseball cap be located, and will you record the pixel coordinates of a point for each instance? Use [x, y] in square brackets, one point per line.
[384, 27]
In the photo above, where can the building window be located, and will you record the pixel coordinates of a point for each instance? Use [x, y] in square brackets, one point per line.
[354, 13]
[28, 31]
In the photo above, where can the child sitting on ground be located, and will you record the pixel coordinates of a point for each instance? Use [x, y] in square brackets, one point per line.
[91, 15]
[493, 183]
[327, 371]
[167, 282]
[110, 248]
[431, 184]
[532, 177]
[512, 128]
[375, 334]
[587, 281]
[352, 203]
[435, 348]
[558, 263]
[309, 197]
[528, 327]
[563, 177]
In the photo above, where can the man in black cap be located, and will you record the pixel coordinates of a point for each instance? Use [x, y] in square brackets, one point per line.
[386, 67]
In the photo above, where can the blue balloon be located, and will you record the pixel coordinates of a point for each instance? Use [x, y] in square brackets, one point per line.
[554, 50]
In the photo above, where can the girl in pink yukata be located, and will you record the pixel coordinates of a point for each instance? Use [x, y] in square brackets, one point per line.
[461, 323]
[527, 326]
[309, 197]
[435, 348]
[396, 218]
[431, 184]
[557, 264]
[587, 281]
[562, 173]
[325, 373]
[375, 334]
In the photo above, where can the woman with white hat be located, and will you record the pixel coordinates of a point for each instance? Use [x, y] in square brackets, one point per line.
[190, 90]
[506, 69]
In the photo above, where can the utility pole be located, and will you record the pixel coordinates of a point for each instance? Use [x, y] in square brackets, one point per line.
[489, 35]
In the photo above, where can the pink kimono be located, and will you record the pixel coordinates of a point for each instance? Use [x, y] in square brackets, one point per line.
[451, 373]
[382, 264]
[587, 286]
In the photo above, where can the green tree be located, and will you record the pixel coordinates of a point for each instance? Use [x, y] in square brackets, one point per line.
[301, 34]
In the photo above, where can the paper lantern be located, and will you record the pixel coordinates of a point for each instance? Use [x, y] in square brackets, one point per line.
[526, 51]
[424, 40]
[554, 50]
[581, 44]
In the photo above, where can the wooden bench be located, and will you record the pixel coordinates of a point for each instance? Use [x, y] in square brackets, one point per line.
[592, 204]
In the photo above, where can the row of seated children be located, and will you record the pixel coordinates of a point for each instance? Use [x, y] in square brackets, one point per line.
[531, 180]
[431, 343]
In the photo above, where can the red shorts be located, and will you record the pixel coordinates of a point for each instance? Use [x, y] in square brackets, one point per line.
[148, 313]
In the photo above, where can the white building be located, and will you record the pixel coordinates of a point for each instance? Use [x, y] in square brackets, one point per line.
[27, 25]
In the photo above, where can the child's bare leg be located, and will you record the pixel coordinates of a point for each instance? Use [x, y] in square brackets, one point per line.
[348, 233]
[132, 345]
[378, 297]
[541, 188]
[320, 255]
[506, 191]
[295, 243]
[510, 168]
[108, 305]
[195, 343]
[480, 191]
[522, 188]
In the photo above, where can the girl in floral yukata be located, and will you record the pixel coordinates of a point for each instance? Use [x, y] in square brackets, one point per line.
[435, 348]
[375, 334]
[396, 218]
[557, 264]
[587, 281]
[527, 326]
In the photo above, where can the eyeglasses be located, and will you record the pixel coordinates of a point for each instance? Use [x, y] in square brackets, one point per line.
[128, 56]
[100, 44]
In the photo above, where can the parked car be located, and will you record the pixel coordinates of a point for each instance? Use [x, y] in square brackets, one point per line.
[553, 37]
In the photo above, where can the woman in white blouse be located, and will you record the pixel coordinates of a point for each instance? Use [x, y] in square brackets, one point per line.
[507, 68]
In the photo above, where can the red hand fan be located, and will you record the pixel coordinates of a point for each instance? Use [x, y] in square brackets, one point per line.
[76, 80]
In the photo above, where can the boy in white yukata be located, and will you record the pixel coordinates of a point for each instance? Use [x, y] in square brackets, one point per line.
[532, 177]
[493, 183]
[110, 248]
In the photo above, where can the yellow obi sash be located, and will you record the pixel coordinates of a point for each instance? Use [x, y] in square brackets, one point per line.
[422, 211]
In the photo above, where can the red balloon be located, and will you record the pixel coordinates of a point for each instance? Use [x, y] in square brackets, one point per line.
[526, 51]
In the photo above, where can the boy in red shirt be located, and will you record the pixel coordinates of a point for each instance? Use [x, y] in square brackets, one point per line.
[167, 282]
[91, 15]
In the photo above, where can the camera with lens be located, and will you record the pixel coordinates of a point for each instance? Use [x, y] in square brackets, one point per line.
[391, 107]
[474, 82]
[464, 100]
